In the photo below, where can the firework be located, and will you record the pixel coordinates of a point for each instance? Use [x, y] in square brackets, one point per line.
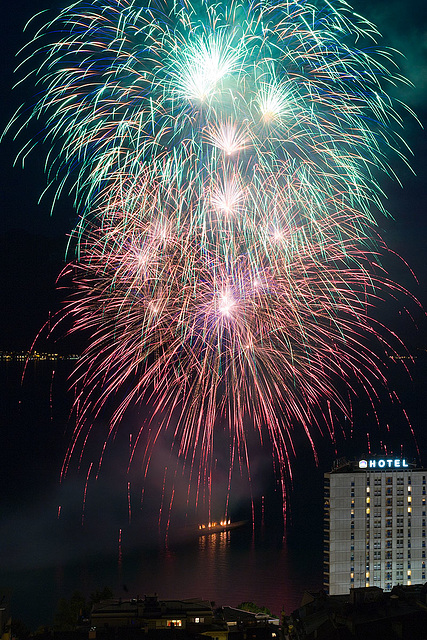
[225, 161]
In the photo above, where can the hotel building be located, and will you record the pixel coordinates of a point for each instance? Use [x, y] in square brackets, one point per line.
[374, 524]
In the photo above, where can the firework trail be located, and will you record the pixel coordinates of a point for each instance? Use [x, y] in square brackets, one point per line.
[225, 159]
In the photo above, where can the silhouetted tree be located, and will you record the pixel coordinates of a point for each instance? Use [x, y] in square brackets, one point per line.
[69, 611]
[19, 629]
[99, 596]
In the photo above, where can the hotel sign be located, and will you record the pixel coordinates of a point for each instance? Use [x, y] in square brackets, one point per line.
[383, 463]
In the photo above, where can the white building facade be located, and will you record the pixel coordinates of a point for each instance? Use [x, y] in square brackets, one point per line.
[374, 524]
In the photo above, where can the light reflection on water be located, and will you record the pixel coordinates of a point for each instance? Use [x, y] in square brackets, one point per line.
[228, 568]
[51, 558]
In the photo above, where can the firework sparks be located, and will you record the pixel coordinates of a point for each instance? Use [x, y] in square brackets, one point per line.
[224, 159]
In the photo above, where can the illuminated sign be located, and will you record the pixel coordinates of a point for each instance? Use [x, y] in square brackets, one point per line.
[383, 463]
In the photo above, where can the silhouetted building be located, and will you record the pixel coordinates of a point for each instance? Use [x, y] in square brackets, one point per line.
[246, 625]
[367, 613]
[5, 619]
[180, 618]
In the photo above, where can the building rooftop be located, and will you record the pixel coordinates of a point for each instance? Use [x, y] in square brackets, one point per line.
[363, 613]
[151, 606]
[374, 463]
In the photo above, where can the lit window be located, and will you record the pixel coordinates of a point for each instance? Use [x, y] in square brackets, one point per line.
[174, 623]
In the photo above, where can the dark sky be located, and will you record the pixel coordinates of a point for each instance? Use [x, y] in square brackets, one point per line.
[33, 241]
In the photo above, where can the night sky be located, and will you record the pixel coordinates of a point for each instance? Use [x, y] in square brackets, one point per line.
[33, 242]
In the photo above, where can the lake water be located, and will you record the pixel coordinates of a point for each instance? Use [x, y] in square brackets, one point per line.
[43, 558]
[226, 568]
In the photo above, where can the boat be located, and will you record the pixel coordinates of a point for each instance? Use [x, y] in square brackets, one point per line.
[218, 527]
